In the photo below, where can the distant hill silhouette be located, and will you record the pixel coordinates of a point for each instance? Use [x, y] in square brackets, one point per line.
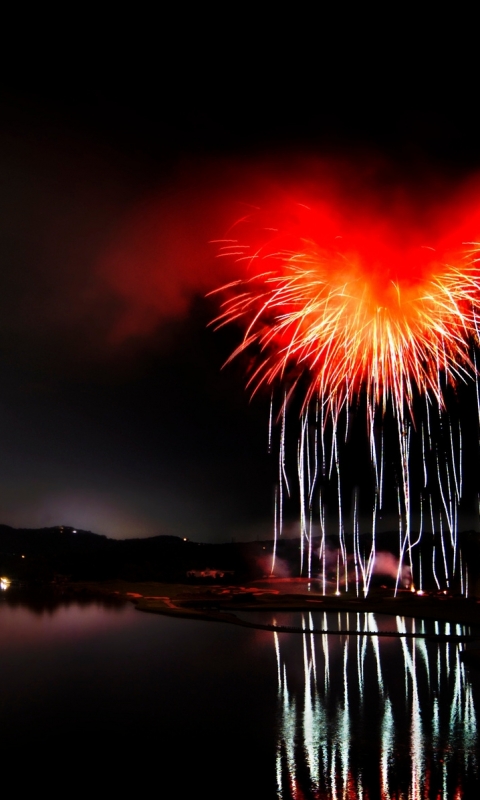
[47, 554]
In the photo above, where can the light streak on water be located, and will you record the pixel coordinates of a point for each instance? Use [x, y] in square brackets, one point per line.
[360, 656]
[344, 732]
[326, 654]
[312, 650]
[355, 733]
[387, 757]
[279, 663]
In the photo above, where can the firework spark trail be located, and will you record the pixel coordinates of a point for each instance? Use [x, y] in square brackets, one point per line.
[311, 478]
[450, 515]
[460, 459]
[405, 544]
[461, 575]
[458, 476]
[322, 554]
[275, 531]
[400, 534]
[433, 569]
[431, 516]
[377, 503]
[356, 548]
[282, 478]
[304, 479]
[310, 542]
[315, 451]
[341, 532]
[427, 408]
[414, 544]
[424, 459]
[270, 422]
[371, 560]
[282, 447]
[301, 481]
[451, 507]
[333, 449]
[454, 466]
[477, 389]
[307, 455]
[442, 542]
[322, 437]
[380, 504]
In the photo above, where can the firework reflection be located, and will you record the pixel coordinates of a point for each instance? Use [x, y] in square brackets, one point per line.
[366, 718]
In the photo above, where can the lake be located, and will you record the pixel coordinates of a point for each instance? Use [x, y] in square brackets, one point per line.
[99, 697]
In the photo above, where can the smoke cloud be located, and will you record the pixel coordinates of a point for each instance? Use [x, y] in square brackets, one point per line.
[385, 566]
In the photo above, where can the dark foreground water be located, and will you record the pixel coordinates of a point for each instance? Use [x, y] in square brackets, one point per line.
[106, 699]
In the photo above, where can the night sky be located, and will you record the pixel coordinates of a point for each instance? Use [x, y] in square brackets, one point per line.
[122, 154]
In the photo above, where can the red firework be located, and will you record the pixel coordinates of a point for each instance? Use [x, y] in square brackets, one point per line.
[359, 302]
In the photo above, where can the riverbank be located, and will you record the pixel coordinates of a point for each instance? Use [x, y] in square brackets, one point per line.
[234, 604]
[220, 602]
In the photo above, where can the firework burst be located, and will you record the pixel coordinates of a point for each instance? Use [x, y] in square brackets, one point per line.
[352, 327]
[346, 310]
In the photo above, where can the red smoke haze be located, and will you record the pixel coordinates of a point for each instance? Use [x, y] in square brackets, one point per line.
[396, 228]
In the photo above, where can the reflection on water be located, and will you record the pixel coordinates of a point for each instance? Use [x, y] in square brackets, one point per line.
[140, 700]
[38, 617]
[367, 717]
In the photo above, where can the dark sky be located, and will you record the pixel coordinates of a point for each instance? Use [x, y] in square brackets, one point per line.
[124, 150]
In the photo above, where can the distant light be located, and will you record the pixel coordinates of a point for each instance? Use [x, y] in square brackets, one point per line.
[74, 531]
[337, 593]
[4, 584]
[420, 592]
[184, 538]
[23, 556]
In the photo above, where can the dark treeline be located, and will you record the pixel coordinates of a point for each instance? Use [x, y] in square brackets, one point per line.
[63, 553]
[49, 554]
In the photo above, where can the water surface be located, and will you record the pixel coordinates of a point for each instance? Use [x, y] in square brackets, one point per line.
[105, 698]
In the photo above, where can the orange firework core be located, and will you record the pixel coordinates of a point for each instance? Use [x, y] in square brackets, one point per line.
[358, 302]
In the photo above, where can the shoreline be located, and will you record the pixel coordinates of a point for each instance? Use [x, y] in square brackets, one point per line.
[217, 602]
